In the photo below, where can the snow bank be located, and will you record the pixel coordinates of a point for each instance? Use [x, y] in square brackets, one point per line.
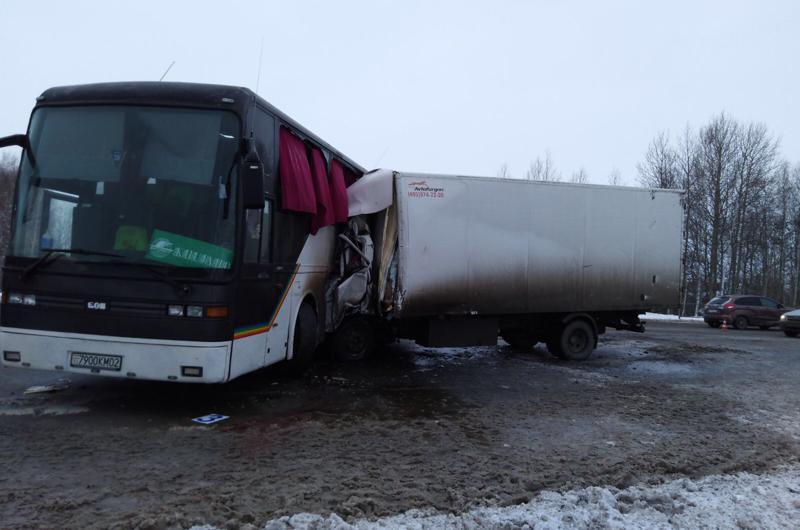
[742, 500]
[676, 318]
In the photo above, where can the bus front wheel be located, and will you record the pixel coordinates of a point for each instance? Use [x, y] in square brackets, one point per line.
[354, 340]
[305, 340]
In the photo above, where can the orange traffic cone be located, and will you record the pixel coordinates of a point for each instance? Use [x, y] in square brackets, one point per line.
[724, 326]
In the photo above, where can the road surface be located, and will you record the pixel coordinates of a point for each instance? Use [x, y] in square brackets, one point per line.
[452, 430]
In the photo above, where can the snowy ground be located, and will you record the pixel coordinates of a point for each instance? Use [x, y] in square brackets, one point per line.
[740, 501]
[667, 318]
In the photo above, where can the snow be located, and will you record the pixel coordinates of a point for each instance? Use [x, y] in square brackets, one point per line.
[742, 500]
[663, 317]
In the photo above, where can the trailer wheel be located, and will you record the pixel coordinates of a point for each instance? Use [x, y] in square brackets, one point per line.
[354, 340]
[575, 341]
[305, 340]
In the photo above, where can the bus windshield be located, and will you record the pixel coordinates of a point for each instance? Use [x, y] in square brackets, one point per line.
[153, 184]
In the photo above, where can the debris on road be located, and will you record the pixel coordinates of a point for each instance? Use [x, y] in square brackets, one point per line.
[210, 419]
[61, 384]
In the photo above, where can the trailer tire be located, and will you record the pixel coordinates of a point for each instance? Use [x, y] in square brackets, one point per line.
[574, 342]
[305, 340]
[354, 340]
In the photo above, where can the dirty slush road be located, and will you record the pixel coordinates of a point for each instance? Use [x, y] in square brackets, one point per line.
[450, 429]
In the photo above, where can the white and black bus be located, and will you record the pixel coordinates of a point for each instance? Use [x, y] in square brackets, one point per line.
[168, 231]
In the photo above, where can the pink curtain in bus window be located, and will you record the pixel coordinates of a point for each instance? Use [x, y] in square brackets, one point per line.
[297, 186]
[338, 192]
[350, 177]
[324, 216]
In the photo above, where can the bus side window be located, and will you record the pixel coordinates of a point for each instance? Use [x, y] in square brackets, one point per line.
[266, 232]
[252, 235]
[258, 229]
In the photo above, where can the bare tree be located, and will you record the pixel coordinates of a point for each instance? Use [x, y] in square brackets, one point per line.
[686, 160]
[504, 172]
[794, 236]
[659, 167]
[580, 176]
[615, 178]
[717, 159]
[543, 169]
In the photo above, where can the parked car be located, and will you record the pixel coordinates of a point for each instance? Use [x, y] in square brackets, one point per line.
[742, 311]
[790, 323]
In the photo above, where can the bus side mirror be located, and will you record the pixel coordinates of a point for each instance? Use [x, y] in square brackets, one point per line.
[20, 140]
[15, 139]
[251, 173]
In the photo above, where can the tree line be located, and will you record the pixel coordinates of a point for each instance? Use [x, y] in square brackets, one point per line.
[543, 168]
[742, 209]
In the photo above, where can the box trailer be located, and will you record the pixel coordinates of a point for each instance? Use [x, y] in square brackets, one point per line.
[457, 261]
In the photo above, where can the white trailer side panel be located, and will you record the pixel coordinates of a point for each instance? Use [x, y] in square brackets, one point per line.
[470, 245]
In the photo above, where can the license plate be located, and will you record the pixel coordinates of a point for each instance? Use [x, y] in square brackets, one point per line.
[95, 361]
[712, 311]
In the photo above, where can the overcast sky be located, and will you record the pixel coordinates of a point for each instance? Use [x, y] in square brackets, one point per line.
[446, 87]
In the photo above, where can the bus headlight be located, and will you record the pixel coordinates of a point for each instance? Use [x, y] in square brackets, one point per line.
[197, 311]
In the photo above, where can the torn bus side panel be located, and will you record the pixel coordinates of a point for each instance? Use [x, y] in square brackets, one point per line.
[349, 287]
[362, 281]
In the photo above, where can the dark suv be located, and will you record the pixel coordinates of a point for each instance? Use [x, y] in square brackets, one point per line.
[743, 310]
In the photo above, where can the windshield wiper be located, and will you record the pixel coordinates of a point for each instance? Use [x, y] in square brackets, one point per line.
[53, 254]
[181, 289]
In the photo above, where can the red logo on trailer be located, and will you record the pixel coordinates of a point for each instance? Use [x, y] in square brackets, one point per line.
[420, 189]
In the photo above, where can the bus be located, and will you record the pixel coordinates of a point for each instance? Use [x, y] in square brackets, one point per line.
[169, 231]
